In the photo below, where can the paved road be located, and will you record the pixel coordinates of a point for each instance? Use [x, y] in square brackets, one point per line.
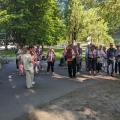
[15, 99]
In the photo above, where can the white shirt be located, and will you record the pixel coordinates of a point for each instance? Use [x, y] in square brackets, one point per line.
[26, 62]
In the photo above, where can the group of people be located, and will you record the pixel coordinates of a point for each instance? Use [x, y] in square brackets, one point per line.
[97, 58]
[29, 59]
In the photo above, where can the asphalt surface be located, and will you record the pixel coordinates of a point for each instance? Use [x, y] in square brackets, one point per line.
[16, 99]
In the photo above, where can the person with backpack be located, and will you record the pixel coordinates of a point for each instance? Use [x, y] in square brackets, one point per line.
[111, 59]
[50, 60]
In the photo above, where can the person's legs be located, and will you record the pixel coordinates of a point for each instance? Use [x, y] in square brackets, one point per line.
[78, 67]
[70, 68]
[90, 65]
[116, 65]
[21, 69]
[28, 79]
[119, 67]
[0, 66]
[48, 66]
[32, 76]
[52, 67]
[17, 64]
[94, 65]
[81, 64]
[108, 66]
[74, 67]
[112, 62]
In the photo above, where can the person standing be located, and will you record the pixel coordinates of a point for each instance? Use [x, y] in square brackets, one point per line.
[86, 56]
[50, 60]
[16, 51]
[92, 59]
[28, 66]
[104, 58]
[69, 59]
[80, 54]
[111, 59]
[99, 58]
[117, 58]
[19, 52]
[74, 54]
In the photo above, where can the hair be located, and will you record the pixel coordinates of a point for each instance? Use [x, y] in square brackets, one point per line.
[31, 46]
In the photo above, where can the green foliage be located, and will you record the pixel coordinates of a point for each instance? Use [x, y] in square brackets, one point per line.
[34, 21]
[81, 23]
[50, 22]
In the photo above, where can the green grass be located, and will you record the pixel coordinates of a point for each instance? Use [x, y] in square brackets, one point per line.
[9, 53]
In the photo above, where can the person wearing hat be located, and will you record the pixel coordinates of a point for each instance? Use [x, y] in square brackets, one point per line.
[117, 57]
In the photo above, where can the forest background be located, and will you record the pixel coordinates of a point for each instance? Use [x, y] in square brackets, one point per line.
[52, 22]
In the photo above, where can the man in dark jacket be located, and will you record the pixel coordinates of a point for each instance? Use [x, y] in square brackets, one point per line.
[111, 59]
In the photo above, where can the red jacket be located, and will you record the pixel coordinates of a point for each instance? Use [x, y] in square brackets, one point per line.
[69, 54]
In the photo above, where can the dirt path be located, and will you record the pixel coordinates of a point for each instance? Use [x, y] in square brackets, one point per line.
[97, 102]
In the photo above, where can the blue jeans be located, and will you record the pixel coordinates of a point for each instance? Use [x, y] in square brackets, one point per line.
[112, 62]
[78, 67]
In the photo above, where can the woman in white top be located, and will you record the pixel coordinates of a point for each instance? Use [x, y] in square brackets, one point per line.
[99, 58]
[28, 66]
[104, 63]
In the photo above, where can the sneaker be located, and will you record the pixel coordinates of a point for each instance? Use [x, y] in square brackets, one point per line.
[47, 73]
[112, 75]
[36, 71]
[81, 70]
[78, 73]
[33, 82]
[52, 72]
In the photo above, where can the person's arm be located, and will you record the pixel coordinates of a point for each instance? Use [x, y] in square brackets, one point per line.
[108, 54]
[30, 59]
[81, 51]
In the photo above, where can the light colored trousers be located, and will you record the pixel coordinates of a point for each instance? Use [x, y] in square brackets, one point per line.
[29, 78]
[0, 63]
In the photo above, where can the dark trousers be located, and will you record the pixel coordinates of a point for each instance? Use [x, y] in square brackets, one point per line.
[92, 64]
[117, 67]
[17, 64]
[110, 62]
[99, 66]
[72, 68]
[50, 64]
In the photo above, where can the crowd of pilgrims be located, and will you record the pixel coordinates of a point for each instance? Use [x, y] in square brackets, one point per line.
[29, 60]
